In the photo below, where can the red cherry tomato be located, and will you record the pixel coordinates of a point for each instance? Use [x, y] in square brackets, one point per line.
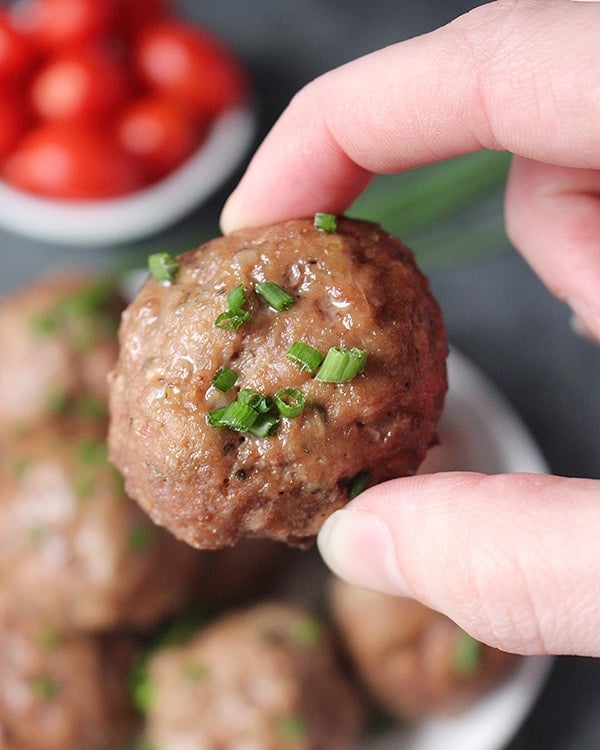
[133, 14]
[59, 161]
[86, 84]
[13, 122]
[55, 23]
[190, 64]
[17, 53]
[159, 132]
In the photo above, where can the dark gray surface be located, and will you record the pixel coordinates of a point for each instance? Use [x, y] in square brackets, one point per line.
[497, 311]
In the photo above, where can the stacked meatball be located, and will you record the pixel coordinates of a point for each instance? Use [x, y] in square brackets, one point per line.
[79, 563]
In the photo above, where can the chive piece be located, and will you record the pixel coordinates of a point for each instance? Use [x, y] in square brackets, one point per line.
[358, 484]
[341, 365]
[232, 319]
[467, 654]
[307, 632]
[292, 728]
[305, 356]
[325, 222]
[238, 416]
[163, 266]
[290, 402]
[275, 296]
[236, 299]
[224, 378]
[140, 538]
[258, 401]
[195, 672]
[214, 418]
[44, 687]
[50, 638]
[265, 425]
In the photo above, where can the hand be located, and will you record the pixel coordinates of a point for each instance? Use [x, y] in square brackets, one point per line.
[514, 560]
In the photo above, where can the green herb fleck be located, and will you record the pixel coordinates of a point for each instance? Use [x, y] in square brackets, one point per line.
[325, 222]
[140, 538]
[467, 654]
[195, 672]
[44, 687]
[307, 632]
[358, 484]
[292, 728]
[50, 638]
[163, 266]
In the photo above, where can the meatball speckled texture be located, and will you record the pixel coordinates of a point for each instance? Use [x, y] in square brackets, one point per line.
[64, 692]
[58, 344]
[356, 287]
[263, 678]
[75, 552]
[415, 662]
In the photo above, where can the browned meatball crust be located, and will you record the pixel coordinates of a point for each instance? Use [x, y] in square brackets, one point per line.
[58, 344]
[413, 661]
[356, 287]
[64, 692]
[75, 552]
[263, 678]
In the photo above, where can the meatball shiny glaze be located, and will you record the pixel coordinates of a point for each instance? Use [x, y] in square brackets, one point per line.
[60, 692]
[58, 344]
[262, 678]
[356, 287]
[75, 552]
[412, 660]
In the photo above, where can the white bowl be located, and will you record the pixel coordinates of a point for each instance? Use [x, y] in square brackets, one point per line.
[141, 214]
[494, 440]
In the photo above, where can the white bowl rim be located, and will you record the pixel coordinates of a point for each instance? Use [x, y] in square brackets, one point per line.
[141, 214]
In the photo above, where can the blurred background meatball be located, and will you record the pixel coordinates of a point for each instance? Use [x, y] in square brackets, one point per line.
[58, 343]
[262, 678]
[64, 692]
[414, 661]
[75, 551]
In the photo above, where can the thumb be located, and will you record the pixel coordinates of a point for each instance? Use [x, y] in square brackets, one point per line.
[512, 559]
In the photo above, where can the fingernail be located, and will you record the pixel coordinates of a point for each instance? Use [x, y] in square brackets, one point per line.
[584, 321]
[358, 547]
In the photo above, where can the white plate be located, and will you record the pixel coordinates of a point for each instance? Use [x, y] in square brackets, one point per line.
[493, 440]
[141, 214]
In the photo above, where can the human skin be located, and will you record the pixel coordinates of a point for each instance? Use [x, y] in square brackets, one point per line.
[514, 560]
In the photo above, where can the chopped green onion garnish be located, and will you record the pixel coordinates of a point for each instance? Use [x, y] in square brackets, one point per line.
[290, 402]
[232, 319]
[258, 401]
[467, 654]
[238, 416]
[341, 365]
[325, 222]
[305, 356]
[235, 316]
[265, 425]
[274, 295]
[214, 417]
[224, 378]
[163, 266]
[358, 484]
[292, 728]
[236, 299]
[44, 687]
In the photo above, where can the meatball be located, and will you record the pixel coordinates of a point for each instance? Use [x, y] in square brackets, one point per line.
[60, 692]
[412, 660]
[263, 678]
[75, 551]
[58, 344]
[356, 289]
